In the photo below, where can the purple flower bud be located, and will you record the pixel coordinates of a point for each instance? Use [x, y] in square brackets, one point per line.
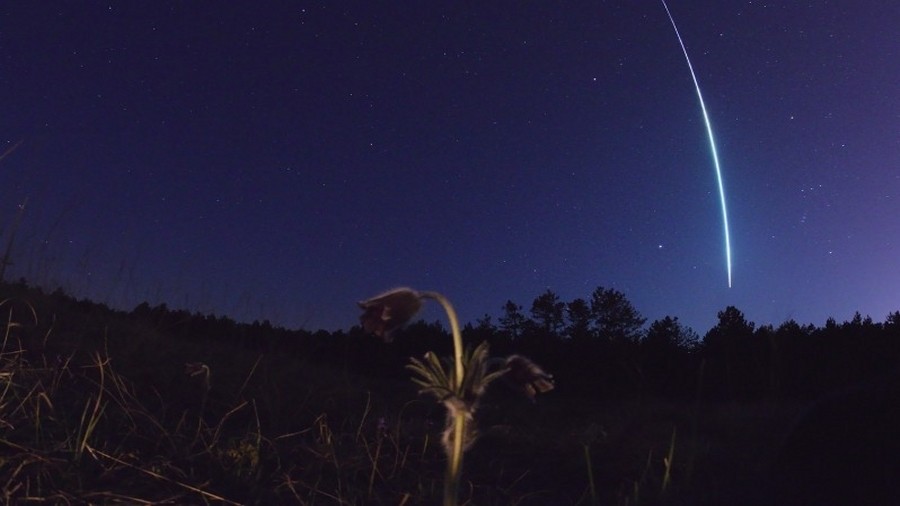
[387, 312]
[527, 377]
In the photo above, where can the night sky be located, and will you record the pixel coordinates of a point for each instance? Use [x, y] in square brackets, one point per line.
[283, 160]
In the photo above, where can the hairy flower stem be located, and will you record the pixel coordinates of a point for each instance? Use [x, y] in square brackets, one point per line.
[454, 463]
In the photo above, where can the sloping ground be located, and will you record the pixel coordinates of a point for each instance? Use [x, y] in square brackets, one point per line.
[97, 406]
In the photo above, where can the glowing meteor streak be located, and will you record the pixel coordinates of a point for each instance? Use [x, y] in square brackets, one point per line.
[712, 145]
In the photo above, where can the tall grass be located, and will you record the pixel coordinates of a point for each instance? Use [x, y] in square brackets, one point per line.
[76, 430]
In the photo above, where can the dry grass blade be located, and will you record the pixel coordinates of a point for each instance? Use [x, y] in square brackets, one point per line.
[89, 422]
[221, 423]
[208, 495]
[32, 311]
[247, 380]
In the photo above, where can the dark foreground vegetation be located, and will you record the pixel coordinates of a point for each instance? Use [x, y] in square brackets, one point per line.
[161, 406]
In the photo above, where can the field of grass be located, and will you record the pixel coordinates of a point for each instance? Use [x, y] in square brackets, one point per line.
[98, 407]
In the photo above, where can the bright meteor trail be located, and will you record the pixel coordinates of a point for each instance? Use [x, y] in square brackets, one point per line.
[712, 145]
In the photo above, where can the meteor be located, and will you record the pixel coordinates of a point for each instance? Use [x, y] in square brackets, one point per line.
[712, 145]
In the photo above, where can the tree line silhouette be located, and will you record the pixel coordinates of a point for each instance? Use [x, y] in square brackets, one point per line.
[600, 347]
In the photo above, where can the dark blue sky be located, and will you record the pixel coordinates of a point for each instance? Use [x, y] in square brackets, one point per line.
[283, 160]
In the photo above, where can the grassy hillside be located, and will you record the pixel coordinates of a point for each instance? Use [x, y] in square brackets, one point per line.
[102, 406]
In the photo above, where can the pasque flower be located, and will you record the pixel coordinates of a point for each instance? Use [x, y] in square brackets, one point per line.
[526, 376]
[461, 399]
[387, 312]
[459, 383]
